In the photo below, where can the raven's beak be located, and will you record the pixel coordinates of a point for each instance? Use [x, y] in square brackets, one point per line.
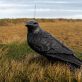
[27, 24]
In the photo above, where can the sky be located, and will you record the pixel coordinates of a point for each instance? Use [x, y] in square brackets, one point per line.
[41, 9]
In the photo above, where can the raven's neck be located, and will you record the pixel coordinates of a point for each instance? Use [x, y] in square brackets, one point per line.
[35, 30]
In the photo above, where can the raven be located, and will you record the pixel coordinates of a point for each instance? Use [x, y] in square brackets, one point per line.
[45, 44]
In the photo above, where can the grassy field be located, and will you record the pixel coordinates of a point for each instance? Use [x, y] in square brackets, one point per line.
[18, 63]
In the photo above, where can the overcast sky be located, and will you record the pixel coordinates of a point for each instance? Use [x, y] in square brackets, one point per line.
[44, 8]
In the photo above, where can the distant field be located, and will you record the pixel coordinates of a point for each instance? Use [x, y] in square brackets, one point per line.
[18, 63]
[68, 32]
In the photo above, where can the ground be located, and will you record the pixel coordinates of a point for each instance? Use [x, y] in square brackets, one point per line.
[18, 63]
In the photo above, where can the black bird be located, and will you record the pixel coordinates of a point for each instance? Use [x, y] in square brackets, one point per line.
[45, 44]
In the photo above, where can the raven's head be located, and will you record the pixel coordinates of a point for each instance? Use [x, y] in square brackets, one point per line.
[32, 24]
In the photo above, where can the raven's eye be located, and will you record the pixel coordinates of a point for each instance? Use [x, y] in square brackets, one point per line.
[35, 23]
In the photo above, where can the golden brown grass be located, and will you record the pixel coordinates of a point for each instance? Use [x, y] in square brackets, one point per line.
[31, 68]
[68, 31]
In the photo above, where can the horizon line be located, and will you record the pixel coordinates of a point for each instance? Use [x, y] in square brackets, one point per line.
[42, 18]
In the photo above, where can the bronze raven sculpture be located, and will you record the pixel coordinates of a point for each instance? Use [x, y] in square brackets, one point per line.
[45, 44]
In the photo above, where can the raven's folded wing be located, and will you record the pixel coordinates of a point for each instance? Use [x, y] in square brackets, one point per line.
[46, 43]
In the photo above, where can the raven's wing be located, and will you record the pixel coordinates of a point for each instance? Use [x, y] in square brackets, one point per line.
[46, 44]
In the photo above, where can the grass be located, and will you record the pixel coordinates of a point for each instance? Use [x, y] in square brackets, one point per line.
[18, 63]
[18, 49]
[24, 65]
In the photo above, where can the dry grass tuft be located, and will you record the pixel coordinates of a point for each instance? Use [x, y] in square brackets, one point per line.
[33, 69]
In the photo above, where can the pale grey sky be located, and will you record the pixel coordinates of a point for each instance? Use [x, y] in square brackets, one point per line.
[44, 8]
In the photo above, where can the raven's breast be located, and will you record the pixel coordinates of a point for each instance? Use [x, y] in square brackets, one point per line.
[33, 41]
